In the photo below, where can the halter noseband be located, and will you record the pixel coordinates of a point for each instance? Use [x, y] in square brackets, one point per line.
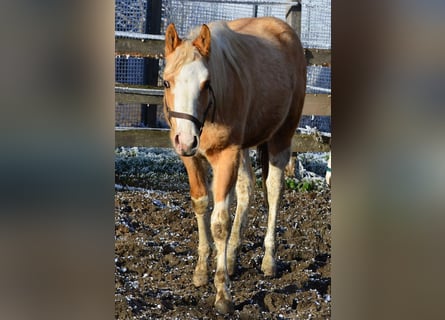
[199, 124]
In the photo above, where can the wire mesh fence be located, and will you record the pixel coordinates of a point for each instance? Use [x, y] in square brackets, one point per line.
[128, 115]
[187, 14]
[131, 16]
[316, 24]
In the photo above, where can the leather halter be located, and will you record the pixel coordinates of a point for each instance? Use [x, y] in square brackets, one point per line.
[199, 124]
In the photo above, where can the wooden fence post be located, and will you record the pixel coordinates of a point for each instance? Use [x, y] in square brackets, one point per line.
[255, 11]
[293, 17]
[151, 66]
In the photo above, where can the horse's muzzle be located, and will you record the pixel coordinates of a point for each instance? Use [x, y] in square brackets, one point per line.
[186, 144]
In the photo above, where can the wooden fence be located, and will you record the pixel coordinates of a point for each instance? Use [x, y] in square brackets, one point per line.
[152, 46]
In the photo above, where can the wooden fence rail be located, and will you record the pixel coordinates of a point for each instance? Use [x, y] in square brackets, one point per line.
[152, 46]
[315, 104]
[160, 138]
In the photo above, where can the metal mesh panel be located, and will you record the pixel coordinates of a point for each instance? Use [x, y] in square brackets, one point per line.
[315, 16]
[320, 123]
[129, 70]
[316, 24]
[316, 33]
[128, 115]
[130, 15]
[318, 79]
[187, 14]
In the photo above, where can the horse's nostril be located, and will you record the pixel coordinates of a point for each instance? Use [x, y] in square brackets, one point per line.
[177, 139]
[195, 142]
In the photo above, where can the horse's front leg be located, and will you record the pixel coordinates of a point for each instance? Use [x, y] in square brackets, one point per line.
[225, 167]
[197, 172]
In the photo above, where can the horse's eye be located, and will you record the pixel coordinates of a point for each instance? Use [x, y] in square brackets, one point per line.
[206, 84]
[166, 84]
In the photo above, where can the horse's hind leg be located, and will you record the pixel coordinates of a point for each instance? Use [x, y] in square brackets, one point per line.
[244, 185]
[274, 186]
[198, 191]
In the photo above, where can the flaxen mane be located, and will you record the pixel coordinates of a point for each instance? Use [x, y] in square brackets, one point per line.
[227, 50]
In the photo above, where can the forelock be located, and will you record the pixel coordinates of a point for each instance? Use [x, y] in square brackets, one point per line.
[184, 54]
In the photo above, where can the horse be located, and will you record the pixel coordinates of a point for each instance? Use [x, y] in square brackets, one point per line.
[230, 86]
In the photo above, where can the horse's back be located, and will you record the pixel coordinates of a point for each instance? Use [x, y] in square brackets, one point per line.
[276, 53]
[271, 29]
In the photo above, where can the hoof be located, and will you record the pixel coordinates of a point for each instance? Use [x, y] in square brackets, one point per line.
[200, 279]
[224, 306]
[269, 268]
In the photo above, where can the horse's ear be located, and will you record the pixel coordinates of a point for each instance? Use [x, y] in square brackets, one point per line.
[202, 42]
[172, 40]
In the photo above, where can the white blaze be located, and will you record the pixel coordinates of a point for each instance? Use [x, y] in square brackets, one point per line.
[186, 91]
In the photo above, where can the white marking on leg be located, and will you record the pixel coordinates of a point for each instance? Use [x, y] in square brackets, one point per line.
[274, 185]
[220, 221]
[200, 277]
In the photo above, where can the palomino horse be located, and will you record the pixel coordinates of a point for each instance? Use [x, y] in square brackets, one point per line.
[230, 86]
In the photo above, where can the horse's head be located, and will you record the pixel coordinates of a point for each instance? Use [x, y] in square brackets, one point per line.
[188, 95]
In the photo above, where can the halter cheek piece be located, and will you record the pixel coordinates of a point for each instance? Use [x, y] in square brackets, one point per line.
[199, 124]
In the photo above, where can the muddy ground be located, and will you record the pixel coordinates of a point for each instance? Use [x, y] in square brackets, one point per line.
[156, 249]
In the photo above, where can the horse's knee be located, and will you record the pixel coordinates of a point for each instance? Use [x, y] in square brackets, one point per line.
[219, 224]
[219, 231]
[200, 204]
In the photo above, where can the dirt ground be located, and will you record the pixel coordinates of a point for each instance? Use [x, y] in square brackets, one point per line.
[156, 250]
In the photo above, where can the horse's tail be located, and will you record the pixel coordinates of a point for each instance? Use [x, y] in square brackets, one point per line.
[263, 159]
